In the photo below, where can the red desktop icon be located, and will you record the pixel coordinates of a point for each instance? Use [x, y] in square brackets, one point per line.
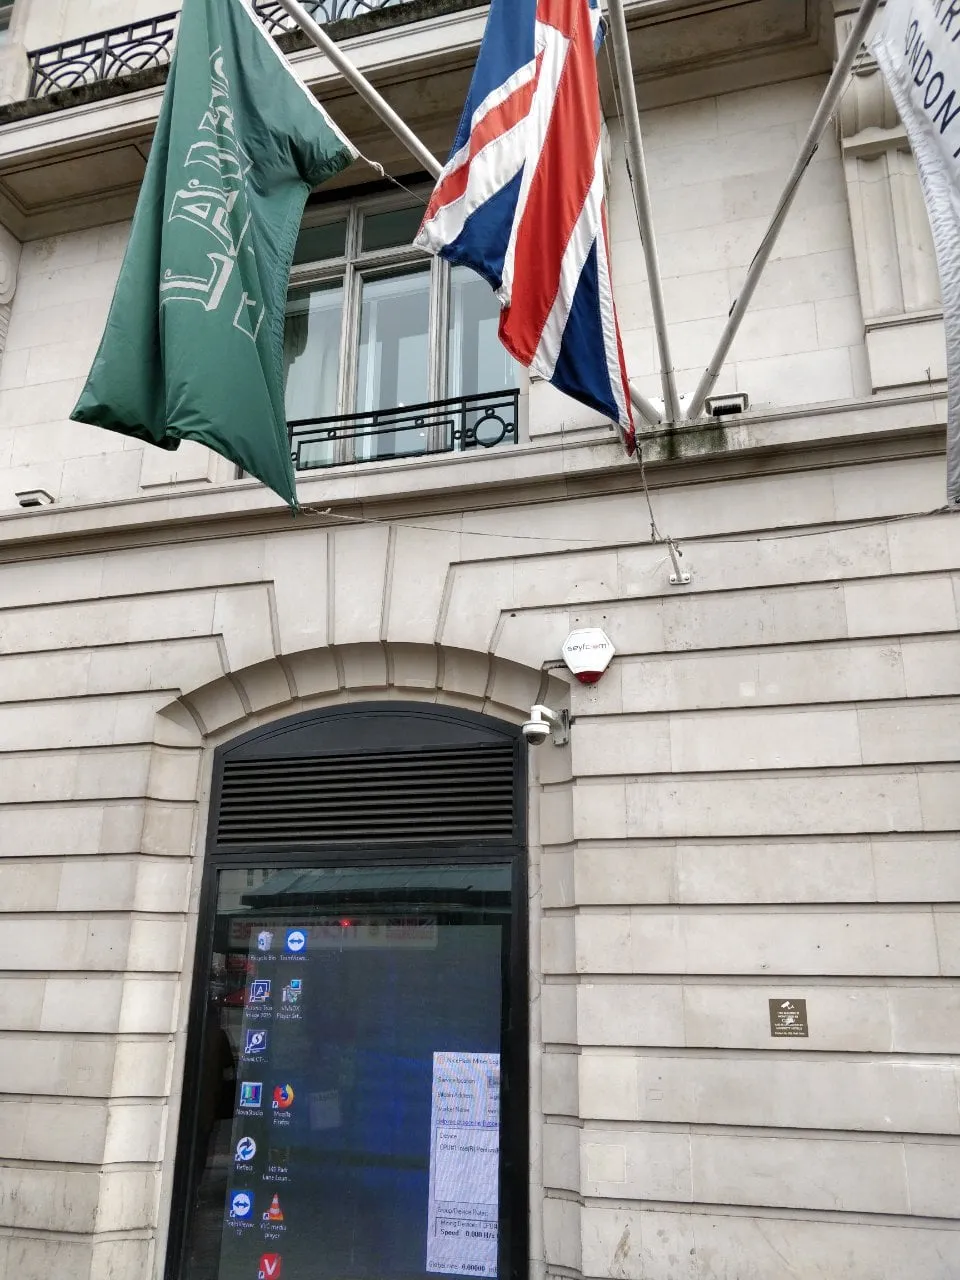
[283, 1097]
[271, 1265]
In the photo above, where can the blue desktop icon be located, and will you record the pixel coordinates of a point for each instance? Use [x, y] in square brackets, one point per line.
[241, 1205]
[255, 1043]
[259, 991]
[296, 941]
[246, 1149]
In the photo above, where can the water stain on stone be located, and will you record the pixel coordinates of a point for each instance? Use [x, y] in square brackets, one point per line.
[620, 1254]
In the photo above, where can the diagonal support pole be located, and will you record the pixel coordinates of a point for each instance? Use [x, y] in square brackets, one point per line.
[828, 104]
[646, 408]
[641, 191]
[314, 32]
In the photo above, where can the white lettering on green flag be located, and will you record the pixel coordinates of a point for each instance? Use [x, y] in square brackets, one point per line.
[193, 344]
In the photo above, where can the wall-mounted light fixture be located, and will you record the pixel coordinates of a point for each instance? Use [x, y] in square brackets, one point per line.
[725, 406]
[35, 498]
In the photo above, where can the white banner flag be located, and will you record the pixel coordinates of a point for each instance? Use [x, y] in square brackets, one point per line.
[918, 49]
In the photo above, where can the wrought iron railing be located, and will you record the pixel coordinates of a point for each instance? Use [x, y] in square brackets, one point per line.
[141, 46]
[277, 20]
[105, 55]
[463, 423]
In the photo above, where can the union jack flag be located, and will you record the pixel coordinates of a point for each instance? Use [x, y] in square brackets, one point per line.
[521, 199]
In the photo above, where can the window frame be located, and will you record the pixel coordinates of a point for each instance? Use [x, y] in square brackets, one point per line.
[356, 265]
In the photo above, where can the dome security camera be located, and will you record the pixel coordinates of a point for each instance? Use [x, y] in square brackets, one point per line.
[542, 723]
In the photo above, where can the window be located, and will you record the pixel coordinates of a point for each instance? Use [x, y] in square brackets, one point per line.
[6, 15]
[379, 334]
[354, 1106]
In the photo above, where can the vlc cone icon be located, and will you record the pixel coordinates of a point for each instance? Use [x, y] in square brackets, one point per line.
[274, 1213]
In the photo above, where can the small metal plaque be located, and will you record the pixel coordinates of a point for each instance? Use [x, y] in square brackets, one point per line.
[788, 1018]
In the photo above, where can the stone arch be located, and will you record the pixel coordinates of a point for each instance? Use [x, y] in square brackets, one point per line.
[189, 727]
[241, 700]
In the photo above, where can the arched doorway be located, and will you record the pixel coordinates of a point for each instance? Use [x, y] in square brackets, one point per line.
[355, 1094]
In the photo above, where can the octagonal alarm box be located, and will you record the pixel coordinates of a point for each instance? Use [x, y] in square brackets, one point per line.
[588, 653]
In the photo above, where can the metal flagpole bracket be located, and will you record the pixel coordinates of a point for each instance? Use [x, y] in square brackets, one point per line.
[828, 104]
[312, 29]
[679, 577]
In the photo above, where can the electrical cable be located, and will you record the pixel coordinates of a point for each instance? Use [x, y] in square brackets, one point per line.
[590, 544]
[381, 171]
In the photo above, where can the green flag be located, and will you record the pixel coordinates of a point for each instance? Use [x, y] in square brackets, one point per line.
[193, 344]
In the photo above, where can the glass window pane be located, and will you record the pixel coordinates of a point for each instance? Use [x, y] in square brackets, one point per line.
[390, 229]
[476, 360]
[349, 1104]
[316, 243]
[393, 358]
[311, 359]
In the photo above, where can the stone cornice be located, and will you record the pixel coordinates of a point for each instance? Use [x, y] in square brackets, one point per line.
[883, 427]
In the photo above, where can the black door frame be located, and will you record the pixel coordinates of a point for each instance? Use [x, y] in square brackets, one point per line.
[274, 742]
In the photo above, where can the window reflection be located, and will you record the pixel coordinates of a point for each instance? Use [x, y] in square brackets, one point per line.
[478, 361]
[311, 360]
[393, 359]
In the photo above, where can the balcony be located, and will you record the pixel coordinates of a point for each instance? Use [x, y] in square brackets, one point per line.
[145, 46]
[461, 424]
[72, 157]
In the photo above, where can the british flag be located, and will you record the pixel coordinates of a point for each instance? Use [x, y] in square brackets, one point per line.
[521, 199]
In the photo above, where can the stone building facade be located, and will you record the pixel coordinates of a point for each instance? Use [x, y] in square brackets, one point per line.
[759, 801]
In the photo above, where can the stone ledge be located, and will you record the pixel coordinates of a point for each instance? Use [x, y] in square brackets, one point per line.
[592, 462]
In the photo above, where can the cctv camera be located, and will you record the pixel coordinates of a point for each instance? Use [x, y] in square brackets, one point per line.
[542, 723]
[536, 732]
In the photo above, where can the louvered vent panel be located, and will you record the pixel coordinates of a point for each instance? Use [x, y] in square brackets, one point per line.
[460, 794]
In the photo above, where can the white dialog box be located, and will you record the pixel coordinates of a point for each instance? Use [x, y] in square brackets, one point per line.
[463, 1208]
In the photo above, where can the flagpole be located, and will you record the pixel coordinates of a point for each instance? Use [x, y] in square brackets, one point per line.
[828, 103]
[641, 191]
[314, 32]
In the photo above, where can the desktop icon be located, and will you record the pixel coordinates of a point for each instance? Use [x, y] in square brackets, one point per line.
[259, 991]
[264, 940]
[283, 1097]
[278, 1160]
[255, 1043]
[251, 1093]
[241, 1205]
[296, 941]
[292, 991]
[246, 1149]
[270, 1268]
[274, 1213]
